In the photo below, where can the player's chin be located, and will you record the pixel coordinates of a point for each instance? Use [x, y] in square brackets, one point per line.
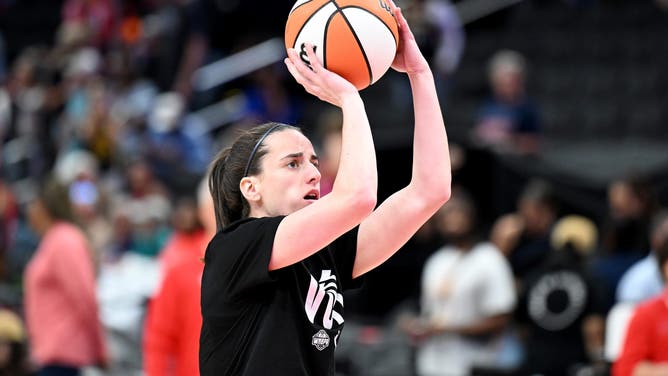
[306, 203]
[298, 206]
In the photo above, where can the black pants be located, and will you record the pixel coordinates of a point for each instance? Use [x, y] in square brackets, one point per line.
[56, 370]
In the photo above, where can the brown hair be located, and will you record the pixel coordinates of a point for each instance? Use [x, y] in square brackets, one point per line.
[56, 200]
[229, 166]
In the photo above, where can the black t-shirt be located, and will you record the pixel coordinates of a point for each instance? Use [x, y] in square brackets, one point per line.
[283, 322]
[559, 294]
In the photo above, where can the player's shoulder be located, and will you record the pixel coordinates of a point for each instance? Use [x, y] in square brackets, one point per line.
[247, 226]
[244, 231]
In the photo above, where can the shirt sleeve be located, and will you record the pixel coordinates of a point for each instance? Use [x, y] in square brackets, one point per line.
[238, 260]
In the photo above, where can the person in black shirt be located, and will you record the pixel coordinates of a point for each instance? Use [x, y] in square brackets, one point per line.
[274, 273]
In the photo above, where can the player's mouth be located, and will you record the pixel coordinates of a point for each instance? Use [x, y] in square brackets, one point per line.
[312, 195]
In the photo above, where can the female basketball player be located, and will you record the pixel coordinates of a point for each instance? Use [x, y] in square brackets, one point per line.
[274, 274]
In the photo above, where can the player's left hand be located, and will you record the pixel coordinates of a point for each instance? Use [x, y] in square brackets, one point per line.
[409, 58]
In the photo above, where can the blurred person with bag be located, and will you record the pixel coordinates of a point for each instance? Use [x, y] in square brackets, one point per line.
[560, 311]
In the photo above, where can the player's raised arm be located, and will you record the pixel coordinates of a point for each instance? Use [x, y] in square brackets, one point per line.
[401, 215]
[353, 195]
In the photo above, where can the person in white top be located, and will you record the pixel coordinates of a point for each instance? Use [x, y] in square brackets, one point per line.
[467, 300]
[643, 279]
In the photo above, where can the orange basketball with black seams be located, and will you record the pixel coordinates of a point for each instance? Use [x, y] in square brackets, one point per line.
[357, 39]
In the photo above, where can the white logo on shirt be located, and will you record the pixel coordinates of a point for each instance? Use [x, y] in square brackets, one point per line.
[574, 292]
[320, 340]
[316, 298]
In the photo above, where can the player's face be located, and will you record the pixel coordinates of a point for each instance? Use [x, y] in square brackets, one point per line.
[290, 179]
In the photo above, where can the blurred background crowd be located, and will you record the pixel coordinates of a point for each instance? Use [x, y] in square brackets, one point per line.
[110, 111]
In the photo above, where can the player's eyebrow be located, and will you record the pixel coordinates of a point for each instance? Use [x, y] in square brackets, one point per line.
[300, 155]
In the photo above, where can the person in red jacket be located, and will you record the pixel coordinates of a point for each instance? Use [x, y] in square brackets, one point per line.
[645, 350]
[173, 322]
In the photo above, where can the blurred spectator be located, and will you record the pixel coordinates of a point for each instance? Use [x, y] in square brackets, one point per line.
[177, 146]
[24, 242]
[173, 322]
[124, 287]
[28, 149]
[60, 299]
[140, 212]
[99, 130]
[98, 18]
[329, 134]
[631, 205]
[8, 225]
[524, 236]
[176, 34]
[76, 164]
[82, 87]
[625, 241]
[131, 274]
[13, 355]
[185, 34]
[268, 99]
[142, 182]
[560, 307]
[131, 99]
[79, 171]
[508, 121]
[644, 351]
[88, 205]
[467, 299]
[5, 110]
[187, 231]
[643, 279]
[440, 35]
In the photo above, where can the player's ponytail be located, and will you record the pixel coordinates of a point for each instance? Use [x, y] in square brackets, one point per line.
[223, 193]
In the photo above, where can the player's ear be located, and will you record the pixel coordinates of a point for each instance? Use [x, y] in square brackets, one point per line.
[249, 189]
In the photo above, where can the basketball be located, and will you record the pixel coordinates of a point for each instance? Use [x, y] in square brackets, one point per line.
[356, 39]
